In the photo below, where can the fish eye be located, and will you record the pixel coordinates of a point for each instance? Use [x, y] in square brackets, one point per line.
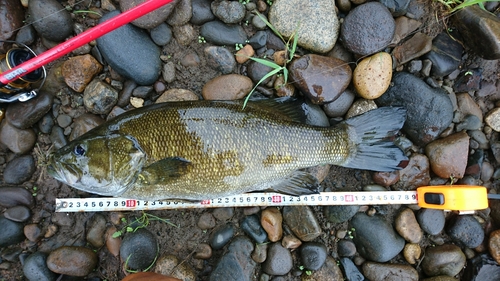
[79, 150]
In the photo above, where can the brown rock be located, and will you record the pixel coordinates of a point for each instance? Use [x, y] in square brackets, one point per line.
[373, 75]
[467, 105]
[177, 95]
[33, 232]
[23, 115]
[412, 253]
[203, 251]
[79, 71]
[244, 54]
[415, 47]
[227, 87]
[72, 260]
[302, 222]
[113, 244]
[84, 123]
[386, 178]
[407, 226]
[149, 276]
[320, 78]
[493, 119]
[170, 264]
[151, 19]
[11, 20]
[494, 245]
[271, 220]
[448, 156]
[330, 271]
[416, 174]
[404, 27]
[385, 271]
[17, 140]
[291, 242]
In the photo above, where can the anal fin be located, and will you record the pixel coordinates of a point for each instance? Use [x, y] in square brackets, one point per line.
[298, 183]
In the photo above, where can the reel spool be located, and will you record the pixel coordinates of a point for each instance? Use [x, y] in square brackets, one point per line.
[20, 89]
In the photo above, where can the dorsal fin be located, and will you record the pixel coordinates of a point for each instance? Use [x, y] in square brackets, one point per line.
[293, 108]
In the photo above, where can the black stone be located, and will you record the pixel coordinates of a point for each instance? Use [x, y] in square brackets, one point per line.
[161, 35]
[221, 236]
[466, 231]
[431, 220]
[258, 40]
[468, 81]
[202, 12]
[251, 226]
[139, 249]
[12, 232]
[339, 214]
[351, 272]
[313, 255]
[14, 196]
[218, 33]
[445, 55]
[50, 19]
[482, 268]
[396, 7]
[19, 170]
[35, 268]
[236, 264]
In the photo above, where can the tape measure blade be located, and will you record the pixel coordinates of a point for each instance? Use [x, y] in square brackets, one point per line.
[244, 200]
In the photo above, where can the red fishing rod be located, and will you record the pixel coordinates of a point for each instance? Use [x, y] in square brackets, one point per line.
[15, 77]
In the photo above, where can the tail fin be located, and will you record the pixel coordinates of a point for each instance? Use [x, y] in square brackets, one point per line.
[373, 133]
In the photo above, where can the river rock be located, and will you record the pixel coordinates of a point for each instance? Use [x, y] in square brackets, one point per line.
[236, 263]
[251, 226]
[23, 115]
[228, 11]
[448, 156]
[85, 123]
[389, 272]
[184, 34]
[322, 79]
[445, 259]
[148, 276]
[161, 35]
[340, 213]
[418, 45]
[412, 253]
[139, 249]
[19, 170]
[481, 268]
[494, 245]
[330, 271]
[375, 239]
[152, 19]
[279, 260]
[313, 255]
[466, 230]
[11, 19]
[221, 236]
[407, 226]
[15, 196]
[202, 12]
[177, 95]
[170, 265]
[181, 14]
[271, 220]
[131, 52]
[218, 33]
[372, 76]
[35, 268]
[367, 29]
[493, 119]
[78, 71]
[341, 105]
[317, 33]
[446, 54]
[95, 230]
[434, 110]
[50, 19]
[18, 213]
[220, 59]
[227, 87]
[17, 140]
[72, 260]
[302, 222]
[99, 97]
[431, 220]
[12, 232]
[481, 31]
[415, 174]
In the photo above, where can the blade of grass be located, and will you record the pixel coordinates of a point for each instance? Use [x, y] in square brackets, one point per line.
[270, 26]
[265, 62]
[271, 73]
[470, 3]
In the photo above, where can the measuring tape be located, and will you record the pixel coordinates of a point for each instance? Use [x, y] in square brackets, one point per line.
[456, 197]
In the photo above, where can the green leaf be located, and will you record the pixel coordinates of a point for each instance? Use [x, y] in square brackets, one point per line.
[130, 229]
[117, 234]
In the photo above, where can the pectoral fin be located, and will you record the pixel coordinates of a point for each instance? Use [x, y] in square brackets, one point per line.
[298, 183]
[164, 170]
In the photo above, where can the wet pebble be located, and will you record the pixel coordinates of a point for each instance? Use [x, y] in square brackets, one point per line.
[258, 40]
[318, 33]
[244, 54]
[142, 92]
[416, 174]
[236, 263]
[99, 97]
[470, 122]
[340, 214]
[346, 248]
[221, 34]
[33, 232]
[381, 272]
[96, 229]
[256, 71]
[64, 120]
[279, 260]
[375, 239]
[177, 95]
[50, 19]
[131, 52]
[291, 242]
[18, 213]
[467, 106]
[341, 105]
[372, 76]
[228, 11]
[203, 251]
[359, 107]
[407, 226]
[396, 7]
[139, 249]
[322, 79]
[15, 196]
[367, 29]
[386, 178]
[445, 259]
[152, 19]
[170, 265]
[161, 35]
[418, 45]
[421, 126]
[220, 59]
[448, 156]
[431, 220]
[259, 254]
[78, 71]
[35, 268]
[252, 227]
[227, 87]
[23, 115]
[12, 232]
[46, 123]
[11, 19]
[202, 12]
[313, 255]
[221, 236]
[466, 230]
[19, 170]
[445, 55]
[72, 260]
[271, 220]
[302, 222]
[351, 272]
[17, 140]
[63, 219]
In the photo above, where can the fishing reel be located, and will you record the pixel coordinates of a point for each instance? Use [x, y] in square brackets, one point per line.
[21, 88]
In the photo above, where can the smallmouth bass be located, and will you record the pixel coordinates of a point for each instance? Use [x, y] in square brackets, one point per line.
[207, 149]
